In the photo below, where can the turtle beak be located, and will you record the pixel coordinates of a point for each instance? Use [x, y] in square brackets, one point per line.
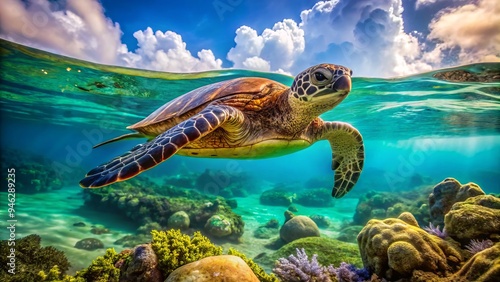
[342, 84]
[339, 89]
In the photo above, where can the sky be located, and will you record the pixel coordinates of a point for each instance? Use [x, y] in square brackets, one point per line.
[381, 38]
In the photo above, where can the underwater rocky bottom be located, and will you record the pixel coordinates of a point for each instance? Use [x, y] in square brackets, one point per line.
[393, 244]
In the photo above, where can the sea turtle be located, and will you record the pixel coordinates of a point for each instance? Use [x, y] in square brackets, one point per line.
[245, 118]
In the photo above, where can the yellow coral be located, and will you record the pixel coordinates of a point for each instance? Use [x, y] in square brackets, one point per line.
[175, 249]
[392, 248]
[257, 270]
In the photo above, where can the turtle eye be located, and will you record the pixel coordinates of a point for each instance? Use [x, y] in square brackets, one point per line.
[319, 76]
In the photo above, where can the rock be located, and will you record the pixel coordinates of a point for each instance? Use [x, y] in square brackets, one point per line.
[79, 224]
[218, 226]
[89, 244]
[130, 241]
[142, 267]
[445, 194]
[298, 227]
[276, 197]
[99, 230]
[293, 208]
[461, 75]
[320, 220]
[268, 230]
[381, 205]
[349, 234]
[272, 223]
[320, 197]
[476, 217]
[483, 266]
[223, 268]
[288, 215]
[179, 220]
[393, 249]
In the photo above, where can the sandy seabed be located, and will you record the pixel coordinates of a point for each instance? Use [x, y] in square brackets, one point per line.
[52, 215]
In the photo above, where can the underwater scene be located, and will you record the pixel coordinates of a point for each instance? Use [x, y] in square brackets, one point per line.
[426, 206]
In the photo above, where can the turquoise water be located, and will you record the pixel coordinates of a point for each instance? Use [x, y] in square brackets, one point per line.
[418, 130]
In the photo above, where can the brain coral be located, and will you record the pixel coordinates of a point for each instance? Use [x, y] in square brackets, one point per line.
[393, 248]
[476, 217]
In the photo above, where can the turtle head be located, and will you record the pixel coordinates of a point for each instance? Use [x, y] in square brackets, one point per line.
[324, 83]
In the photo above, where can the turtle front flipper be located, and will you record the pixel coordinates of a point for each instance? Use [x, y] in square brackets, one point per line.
[165, 145]
[348, 154]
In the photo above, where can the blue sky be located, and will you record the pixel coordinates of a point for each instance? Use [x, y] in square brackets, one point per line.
[383, 38]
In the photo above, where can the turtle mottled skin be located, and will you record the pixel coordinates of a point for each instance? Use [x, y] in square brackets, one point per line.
[245, 118]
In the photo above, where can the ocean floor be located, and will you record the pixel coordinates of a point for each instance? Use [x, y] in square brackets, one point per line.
[52, 215]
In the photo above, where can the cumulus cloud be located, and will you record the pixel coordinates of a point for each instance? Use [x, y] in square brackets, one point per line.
[472, 29]
[422, 3]
[166, 51]
[80, 29]
[274, 49]
[365, 35]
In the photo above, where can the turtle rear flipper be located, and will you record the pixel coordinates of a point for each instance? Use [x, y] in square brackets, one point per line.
[165, 145]
[348, 154]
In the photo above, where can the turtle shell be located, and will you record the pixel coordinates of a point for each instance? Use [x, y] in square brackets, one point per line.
[239, 92]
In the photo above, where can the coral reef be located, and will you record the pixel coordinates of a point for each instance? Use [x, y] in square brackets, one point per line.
[298, 227]
[329, 251]
[299, 268]
[224, 183]
[30, 259]
[482, 267]
[34, 173]
[320, 220]
[104, 268]
[475, 218]
[145, 203]
[381, 205]
[175, 249]
[393, 249]
[141, 266]
[214, 269]
[461, 75]
[445, 194]
[349, 233]
[320, 197]
[476, 246]
[276, 197]
[257, 270]
[435, 230]
[268, 230]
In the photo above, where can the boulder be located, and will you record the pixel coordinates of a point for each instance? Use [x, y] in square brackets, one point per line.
[218, 226]
[142, 267]
[89, 244]
[298, 227]
[178, 220]
[214, 269]
[445, 194]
